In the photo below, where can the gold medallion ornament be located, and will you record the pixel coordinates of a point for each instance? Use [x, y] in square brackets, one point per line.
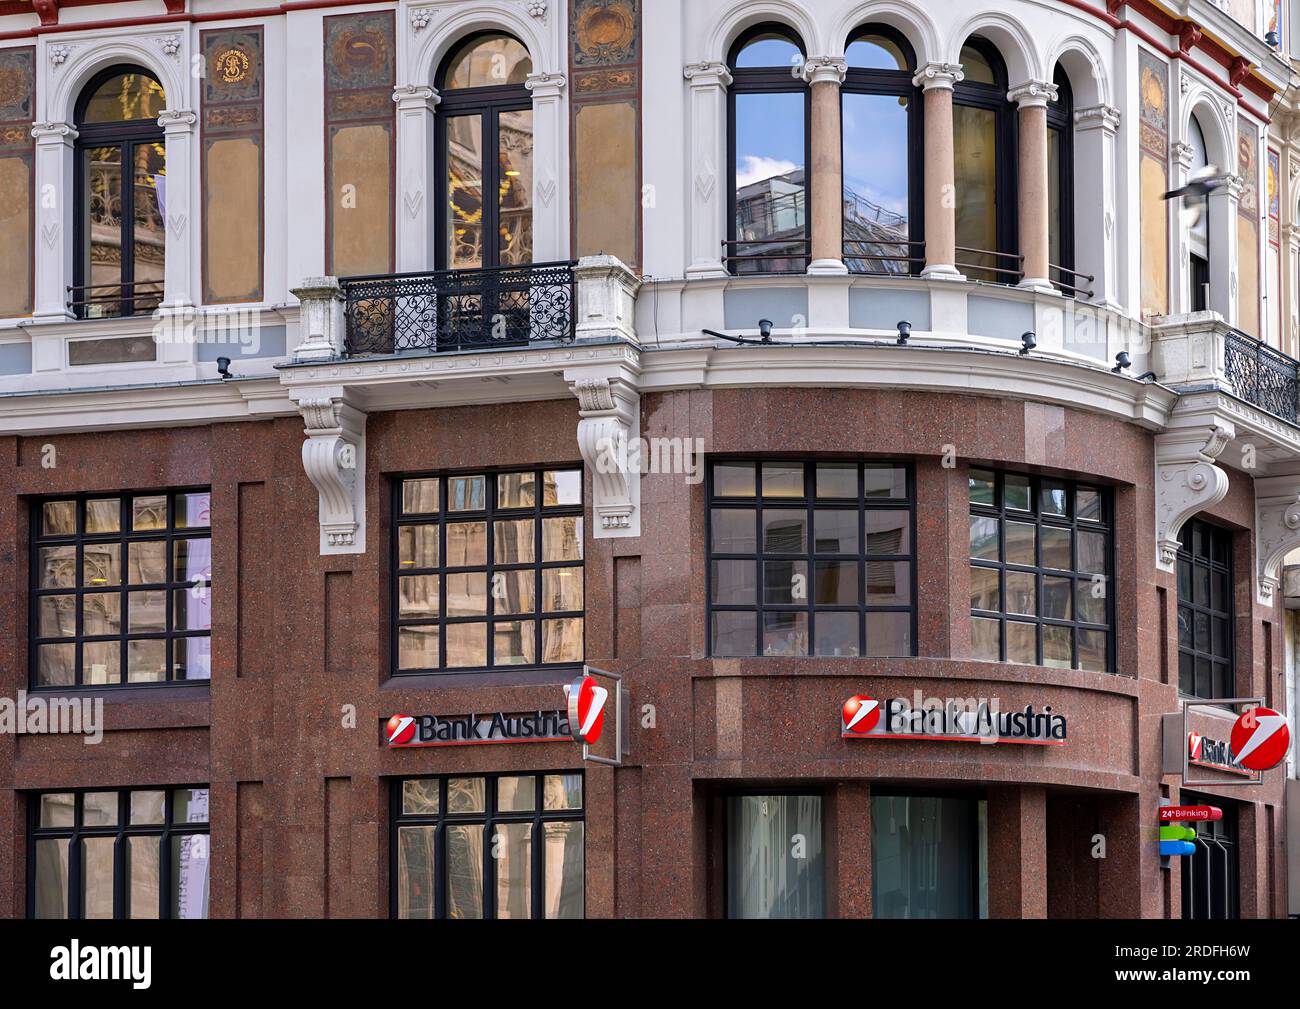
[232, 65]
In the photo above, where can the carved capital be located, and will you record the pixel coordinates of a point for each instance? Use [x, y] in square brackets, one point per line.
[544, 85]
[334, 458]
[1187, 482]
[1097, 117]
[177, 120]
[1032, 94]
[707, 75]
[608, 427]
[1277, 530]
[53, 133]
[938, 75]
[825, 70]
[415, 96]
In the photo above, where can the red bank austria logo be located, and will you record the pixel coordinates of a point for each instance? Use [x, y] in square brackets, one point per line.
[1260, 739]
[400, 730]
[861, 715]
[587, 709]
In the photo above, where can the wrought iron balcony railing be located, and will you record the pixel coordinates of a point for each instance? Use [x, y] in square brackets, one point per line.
[113, 301]
[1261, 375]
[508, 306]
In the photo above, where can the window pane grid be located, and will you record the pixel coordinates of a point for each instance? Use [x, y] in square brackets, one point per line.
[534, 630]
[138, 878]
[1066, 618]
[518, 869]
[812, 593]
[138, 627]
[1206, 654]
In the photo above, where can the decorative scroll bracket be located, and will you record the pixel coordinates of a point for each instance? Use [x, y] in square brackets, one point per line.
[1187, 481]
[1277, 530]
[334, 456]
[609, 439]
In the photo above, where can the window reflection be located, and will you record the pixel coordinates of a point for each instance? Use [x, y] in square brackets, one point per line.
[984, 177]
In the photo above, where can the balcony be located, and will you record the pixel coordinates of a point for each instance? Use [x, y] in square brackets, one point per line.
[456, 310]
[1201, 351]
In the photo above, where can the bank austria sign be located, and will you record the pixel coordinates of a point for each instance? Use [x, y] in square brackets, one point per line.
[954, 719]
[477, 729]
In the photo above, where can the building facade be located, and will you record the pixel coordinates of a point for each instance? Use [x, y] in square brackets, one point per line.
[839, 376]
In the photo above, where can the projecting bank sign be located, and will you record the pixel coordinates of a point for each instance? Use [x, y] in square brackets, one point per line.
[954, 719]
[477, 729]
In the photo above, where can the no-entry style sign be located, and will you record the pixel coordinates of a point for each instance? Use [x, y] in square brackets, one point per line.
[1260, 739]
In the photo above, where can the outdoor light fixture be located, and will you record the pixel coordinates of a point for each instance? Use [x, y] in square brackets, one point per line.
[1121, 362]
[904, 331]
[1028, 341]
[223, 367]
[765, 330]
[1273, 39]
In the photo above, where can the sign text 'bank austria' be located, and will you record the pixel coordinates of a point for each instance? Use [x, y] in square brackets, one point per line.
[956, 719]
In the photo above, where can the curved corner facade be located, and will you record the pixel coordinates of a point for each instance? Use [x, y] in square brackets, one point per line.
[890, 407]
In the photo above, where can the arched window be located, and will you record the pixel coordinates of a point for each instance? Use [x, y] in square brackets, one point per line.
[984, 155]
[882, 135]
[1196, 213]
[121, 195]
[485, 155]
[768, 153]
[1060, 186]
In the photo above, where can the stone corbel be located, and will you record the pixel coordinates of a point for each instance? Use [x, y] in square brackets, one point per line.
[1187, 481]
[1277, 530]
[334, 456]
[609, 439]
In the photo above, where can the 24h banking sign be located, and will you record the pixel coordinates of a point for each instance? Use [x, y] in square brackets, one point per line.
[967, 720]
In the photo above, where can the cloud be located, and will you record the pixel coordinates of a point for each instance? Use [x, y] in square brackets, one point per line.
[756, 169]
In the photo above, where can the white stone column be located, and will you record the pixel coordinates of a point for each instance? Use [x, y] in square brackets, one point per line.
[1180, 277]
[178, 130]
[417, 239]
[707, 109]
[1291, 285]
[1223, 248]
[55, 198]
[936, 80]
[1031, 99]
[1095, 233]
[825, 74]
[550, 174]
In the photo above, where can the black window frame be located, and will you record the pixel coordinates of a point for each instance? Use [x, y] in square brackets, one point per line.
[489, 514]
[894, 83]
[811, 503]
[994, 97]
[1060, 117]
[1035, 516]
[489, 817]
[125, 535]
[127, 135]
[121, 831]
[1194, 531]
[488, 103]
[758, 81]
[1212, 875]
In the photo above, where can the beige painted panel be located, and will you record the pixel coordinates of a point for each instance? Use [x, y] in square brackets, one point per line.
[15, 237]
[362, 199]
[1155, 238]
[1248, 278]
[606, 199]
[232, 219]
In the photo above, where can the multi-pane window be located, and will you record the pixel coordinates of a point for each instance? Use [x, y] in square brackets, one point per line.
[1040, 571]
[1210, 874]
[488, 846]
[811, 558]
[118, 853]
[121, 589]
[488, 570]
[1205, 666]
